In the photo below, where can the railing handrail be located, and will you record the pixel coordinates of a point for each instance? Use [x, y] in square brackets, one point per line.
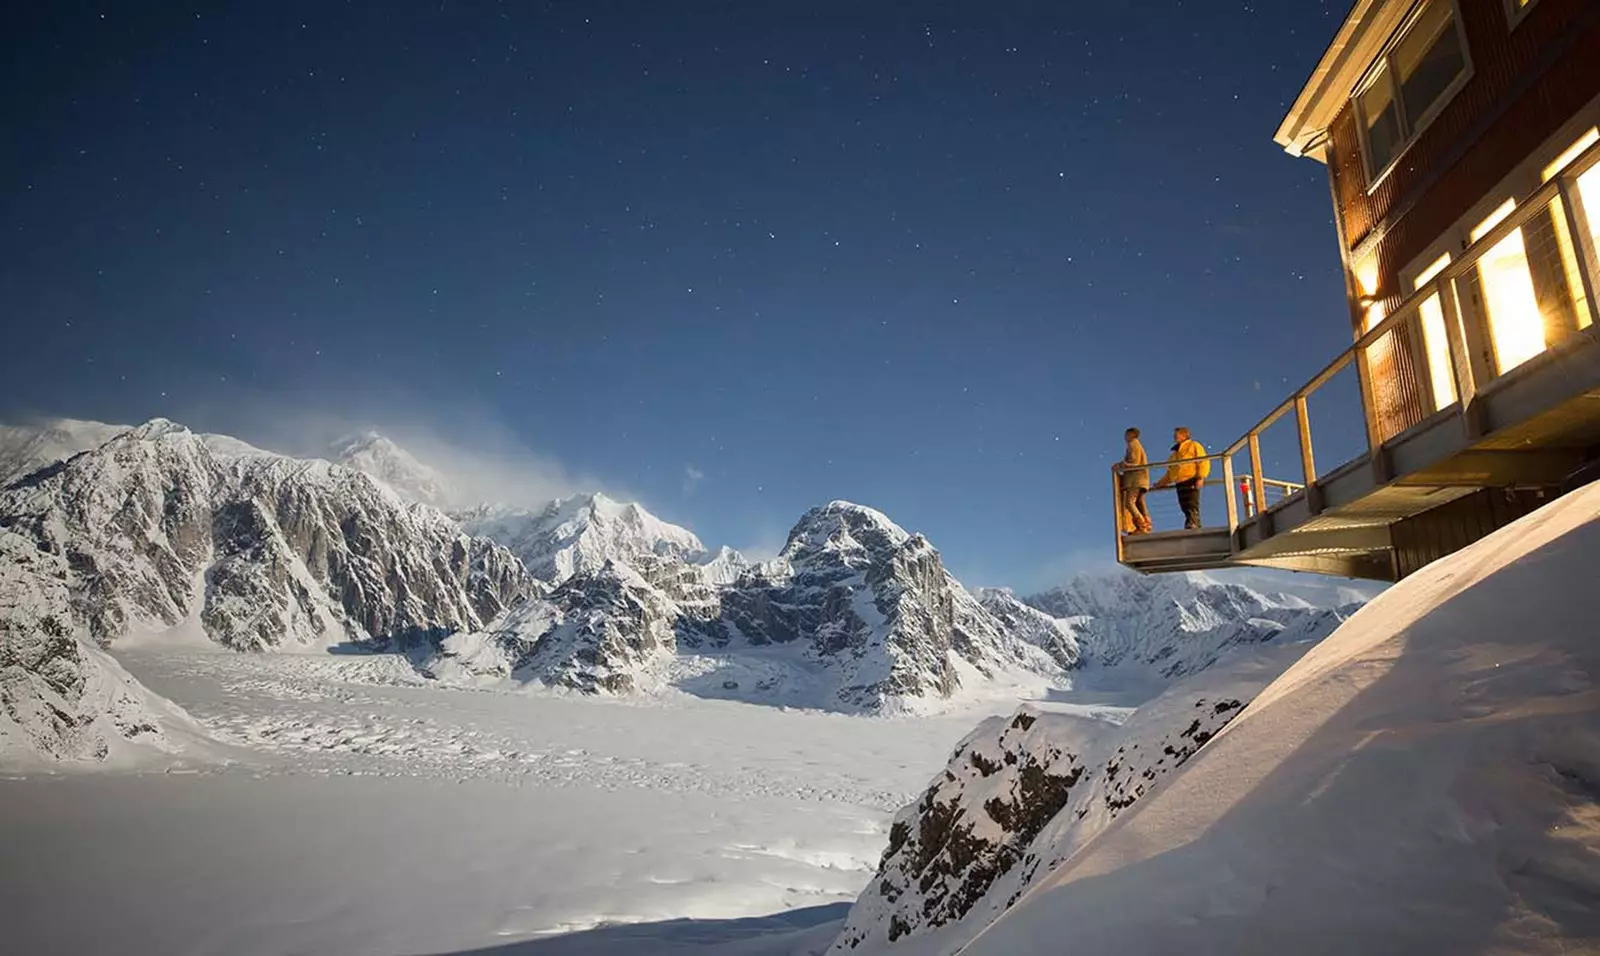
[1122, 466]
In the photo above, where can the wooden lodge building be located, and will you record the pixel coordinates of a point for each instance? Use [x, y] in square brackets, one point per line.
[1462, 140]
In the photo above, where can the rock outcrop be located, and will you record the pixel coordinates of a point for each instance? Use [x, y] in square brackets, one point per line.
[61, 698]
[1021, 794]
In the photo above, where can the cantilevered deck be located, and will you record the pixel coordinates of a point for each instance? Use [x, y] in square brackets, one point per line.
[1479, 391]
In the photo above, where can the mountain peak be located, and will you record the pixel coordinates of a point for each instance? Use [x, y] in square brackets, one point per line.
[377, 456]
[843, 528]
[581, 533]
[157, 428]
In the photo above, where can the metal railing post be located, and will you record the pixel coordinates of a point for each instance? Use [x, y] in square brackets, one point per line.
[1308, 464]
[1258, 487]
[1369, 408]
[1116, 507]
[1582, 241]
[1455, 335]
[1233, 504]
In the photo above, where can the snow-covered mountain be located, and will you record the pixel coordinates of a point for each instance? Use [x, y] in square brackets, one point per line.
[158, 532]
[167, 531]
[377, 457]
[582, 533]
[876, 604]
[855, 614]
[605, 631]
[1058, 637]
[1167, 626]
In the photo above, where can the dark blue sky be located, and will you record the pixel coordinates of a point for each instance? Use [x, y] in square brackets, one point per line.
[932, 257]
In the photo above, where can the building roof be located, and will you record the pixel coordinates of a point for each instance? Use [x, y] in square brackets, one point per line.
[1367, 27]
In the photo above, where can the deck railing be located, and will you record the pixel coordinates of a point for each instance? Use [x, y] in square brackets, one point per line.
[1524, 286]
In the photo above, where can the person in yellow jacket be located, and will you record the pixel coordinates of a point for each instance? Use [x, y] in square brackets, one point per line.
[1187, 474]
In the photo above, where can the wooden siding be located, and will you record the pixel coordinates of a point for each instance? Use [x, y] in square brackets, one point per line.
[1525, 83]
[1449, 528]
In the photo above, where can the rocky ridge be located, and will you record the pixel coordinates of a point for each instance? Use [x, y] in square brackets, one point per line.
[1021, 794]
[157, 532]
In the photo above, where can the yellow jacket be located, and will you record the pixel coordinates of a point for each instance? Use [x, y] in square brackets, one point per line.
[1184, 471]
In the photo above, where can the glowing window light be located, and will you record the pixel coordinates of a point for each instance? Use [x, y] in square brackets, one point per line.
[1434, 340]
[1515, 326]
[1572, 152]
[1366, 273]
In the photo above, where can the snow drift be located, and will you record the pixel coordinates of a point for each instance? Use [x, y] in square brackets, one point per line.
[1425, 780]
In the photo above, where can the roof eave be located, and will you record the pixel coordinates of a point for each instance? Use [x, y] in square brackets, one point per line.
[1360, 39]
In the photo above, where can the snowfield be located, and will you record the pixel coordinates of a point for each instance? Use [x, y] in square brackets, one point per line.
[366, 810]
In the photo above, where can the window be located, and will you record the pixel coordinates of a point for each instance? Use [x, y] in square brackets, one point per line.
[1411, 83]
[1435, 342]
[1516, 327]
[1586, 191]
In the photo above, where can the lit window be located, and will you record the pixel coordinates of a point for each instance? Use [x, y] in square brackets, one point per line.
[1589, 195]
[1434, 340]
[1411, 83]
[1516, 327]
[1588, 192]
[1571, 153]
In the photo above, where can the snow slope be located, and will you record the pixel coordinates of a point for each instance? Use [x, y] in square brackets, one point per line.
[1425, 780]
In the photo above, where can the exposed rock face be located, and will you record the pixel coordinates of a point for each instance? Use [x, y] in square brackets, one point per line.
[1054, 636]
[1177, 624]
[1022, 794]
[605, 631]
[1004, 783]
[859, 593]
[581, 533]
[156, 531]
[61, 699]
[854, 615]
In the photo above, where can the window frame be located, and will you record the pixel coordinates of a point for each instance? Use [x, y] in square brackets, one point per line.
[1515, 15]
[1382, 71]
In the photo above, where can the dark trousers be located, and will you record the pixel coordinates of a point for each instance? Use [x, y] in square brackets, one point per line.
[1189, 501]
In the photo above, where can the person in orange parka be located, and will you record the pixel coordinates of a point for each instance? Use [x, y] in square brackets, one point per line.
[1134, 483]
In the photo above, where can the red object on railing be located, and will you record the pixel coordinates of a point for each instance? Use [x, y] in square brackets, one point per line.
[1249, 499]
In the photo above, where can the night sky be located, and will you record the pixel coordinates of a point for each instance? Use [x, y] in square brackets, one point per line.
[734, 259]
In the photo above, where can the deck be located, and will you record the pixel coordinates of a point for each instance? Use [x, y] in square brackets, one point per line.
[1447, 417]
